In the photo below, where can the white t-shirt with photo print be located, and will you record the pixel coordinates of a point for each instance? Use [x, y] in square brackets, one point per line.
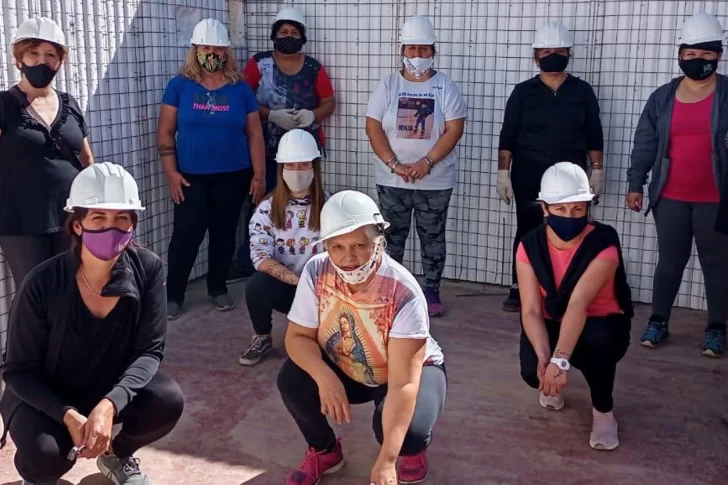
[413, 116]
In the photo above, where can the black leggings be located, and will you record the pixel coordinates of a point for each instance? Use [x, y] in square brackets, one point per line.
[529, 216]
[212, 205]
[43, 444]
[23, 253]
[602, 344]
[263, 294]
[301, 396]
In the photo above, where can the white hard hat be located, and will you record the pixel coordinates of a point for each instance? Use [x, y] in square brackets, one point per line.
[701, 27]
[565, 182]
[297, 146]
[210, 32]
[292, 14]
[41, 28]
[347, 211]
[417, 30]
[552, 35]
[104, 186]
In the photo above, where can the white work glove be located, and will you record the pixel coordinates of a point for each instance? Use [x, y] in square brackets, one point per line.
[304, 118]
[504, 187]
[283, 118]
[596, 181]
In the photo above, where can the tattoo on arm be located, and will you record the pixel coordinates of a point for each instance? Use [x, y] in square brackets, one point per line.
[281, 273]
[561, 354]
[503, 160]
[167, 150]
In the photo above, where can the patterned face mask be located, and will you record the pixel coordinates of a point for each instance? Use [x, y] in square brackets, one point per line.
[211, 62]
[363, 272]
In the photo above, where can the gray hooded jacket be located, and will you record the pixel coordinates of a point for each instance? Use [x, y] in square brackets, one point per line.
[652, 140]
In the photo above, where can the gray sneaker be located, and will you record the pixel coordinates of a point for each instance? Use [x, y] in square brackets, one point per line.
[222, 302]
[122, 471]
[174, 310]
[259, 346]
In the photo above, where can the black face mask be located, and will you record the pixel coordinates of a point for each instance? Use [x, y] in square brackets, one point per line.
[698, 69]
[553, 62]
[567, 228]
[38, 76]
[288, 45]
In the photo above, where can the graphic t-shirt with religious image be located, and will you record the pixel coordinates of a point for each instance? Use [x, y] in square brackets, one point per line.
[413, 116]
[354, 329]
[211, 125]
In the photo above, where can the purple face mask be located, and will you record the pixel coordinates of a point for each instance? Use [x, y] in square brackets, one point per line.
[106, 244]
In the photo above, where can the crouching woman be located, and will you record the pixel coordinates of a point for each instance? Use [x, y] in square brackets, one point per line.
[576, 304]
[86, 336]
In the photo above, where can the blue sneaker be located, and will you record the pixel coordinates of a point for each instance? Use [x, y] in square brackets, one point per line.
[655, 333]
[714, 344]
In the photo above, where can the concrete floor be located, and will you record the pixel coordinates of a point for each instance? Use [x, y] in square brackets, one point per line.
[670, 405]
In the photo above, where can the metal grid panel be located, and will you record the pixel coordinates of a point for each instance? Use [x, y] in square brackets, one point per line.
[123, 53]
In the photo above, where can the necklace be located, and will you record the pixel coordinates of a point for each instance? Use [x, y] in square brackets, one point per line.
[83, 275]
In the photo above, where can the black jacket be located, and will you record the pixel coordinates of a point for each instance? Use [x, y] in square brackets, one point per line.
[39, 318]
[557, 299]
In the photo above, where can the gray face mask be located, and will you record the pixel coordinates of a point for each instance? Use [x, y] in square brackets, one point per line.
[298, 180]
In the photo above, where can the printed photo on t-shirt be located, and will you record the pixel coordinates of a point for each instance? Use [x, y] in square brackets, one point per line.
[415, 117]
[211, 103]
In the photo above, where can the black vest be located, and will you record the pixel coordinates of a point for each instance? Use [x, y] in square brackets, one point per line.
[557, 299]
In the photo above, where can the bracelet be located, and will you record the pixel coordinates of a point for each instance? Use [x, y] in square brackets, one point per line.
[597, 166]
[394, 165]
[429, 161]
[391, 159]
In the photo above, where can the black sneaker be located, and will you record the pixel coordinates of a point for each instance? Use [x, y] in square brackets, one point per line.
[238, 274]
[655, 333]
[259, 346]
[714, 343]
[513, 302]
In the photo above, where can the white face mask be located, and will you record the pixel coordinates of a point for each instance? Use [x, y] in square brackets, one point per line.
[363, 272]
[417, 67]
[298, 180]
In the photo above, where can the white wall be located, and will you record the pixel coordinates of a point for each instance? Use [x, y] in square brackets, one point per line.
[123, 53]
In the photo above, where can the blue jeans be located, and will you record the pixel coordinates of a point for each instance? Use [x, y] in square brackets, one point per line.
[271, 176]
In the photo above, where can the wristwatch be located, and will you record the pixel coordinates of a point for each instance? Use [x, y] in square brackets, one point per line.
[562, 364]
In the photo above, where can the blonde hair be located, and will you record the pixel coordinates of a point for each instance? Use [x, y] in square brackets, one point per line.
[191, 69]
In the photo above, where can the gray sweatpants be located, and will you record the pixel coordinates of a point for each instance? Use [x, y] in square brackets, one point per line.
[430, 208]
[677, 223]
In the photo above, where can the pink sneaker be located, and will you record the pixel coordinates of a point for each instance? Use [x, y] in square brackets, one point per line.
[434, 306]
[412, 469]
[316, 465]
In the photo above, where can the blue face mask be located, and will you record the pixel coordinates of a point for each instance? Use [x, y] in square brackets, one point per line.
[567, 228]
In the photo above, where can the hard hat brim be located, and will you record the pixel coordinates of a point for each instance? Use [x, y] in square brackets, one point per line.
[193, 44]
[110, 207]
[352, 228]
[41, 39]
[566, 200]
[297, 160]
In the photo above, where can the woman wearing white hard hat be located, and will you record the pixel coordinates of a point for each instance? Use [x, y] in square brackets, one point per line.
[293, 91]
[680, 138]
[359, 332]
[576, 306]
[551, 117]
[86, 336]
[284, 234]
[43, 146]
[211, 145]
[415, 118]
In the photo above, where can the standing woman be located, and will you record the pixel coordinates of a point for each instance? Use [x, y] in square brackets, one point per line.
[86, 336]
[284, 234]
[43, 146]
[680, 138]
[549, 118]
[293, 91]
[213, 115]
[415, 118]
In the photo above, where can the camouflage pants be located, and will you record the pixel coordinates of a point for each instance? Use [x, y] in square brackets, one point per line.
[430, 208]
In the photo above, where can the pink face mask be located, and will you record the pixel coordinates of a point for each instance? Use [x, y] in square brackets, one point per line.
[106, 244]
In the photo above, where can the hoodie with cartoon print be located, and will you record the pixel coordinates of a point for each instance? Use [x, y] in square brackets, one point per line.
[292, 245]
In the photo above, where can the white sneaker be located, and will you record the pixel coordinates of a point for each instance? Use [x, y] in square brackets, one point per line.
[604, 431]
[556, 402]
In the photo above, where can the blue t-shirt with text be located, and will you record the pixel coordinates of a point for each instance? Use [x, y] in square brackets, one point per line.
[211, 125]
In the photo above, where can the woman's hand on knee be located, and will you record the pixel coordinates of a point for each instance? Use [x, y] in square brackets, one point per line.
[554, 380]
[334, 402]
[98, 429]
